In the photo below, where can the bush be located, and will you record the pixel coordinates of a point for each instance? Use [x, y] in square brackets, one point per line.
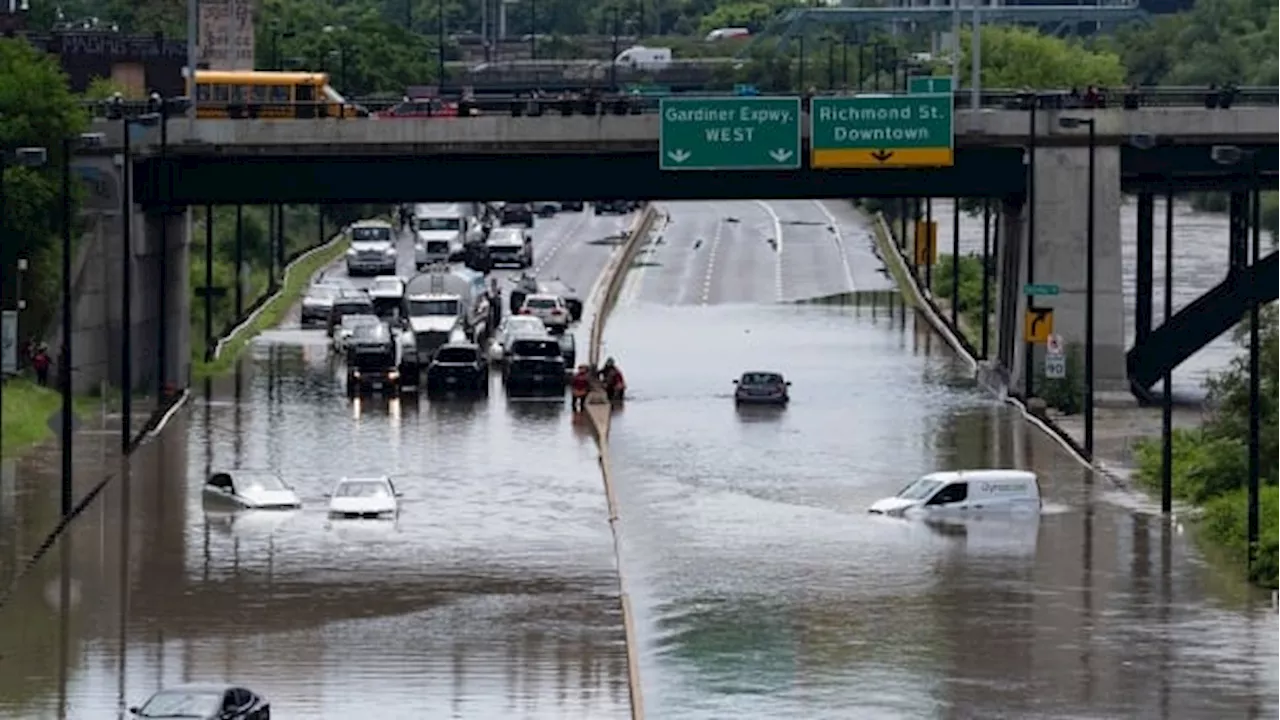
[1224, 524]
[1064, 394]
[970, 296]
[1204, 466]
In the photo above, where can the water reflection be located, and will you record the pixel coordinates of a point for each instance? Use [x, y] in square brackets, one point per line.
[762, 588]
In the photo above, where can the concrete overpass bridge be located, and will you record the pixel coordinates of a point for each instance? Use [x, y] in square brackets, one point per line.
[1140, 151]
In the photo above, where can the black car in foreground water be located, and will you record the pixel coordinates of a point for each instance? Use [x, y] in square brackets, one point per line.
[534, 365]
[458, 367]
[200, 701]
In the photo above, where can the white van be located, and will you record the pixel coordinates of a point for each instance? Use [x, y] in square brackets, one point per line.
[965, 490]
[639, 57]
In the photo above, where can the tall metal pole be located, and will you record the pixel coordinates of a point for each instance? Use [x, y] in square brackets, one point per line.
[986, 276]
[440, 44]
[1166, 403]
[126, 302]
[1028, 349]
[208, 283]
[955, 264]
[64, 364]
[929, 240]
[193, 20]
[1090, 242]
[533, 30]
[975, 59]
[1255, 410]
[162, 330]
[955, 43]
[239, 260]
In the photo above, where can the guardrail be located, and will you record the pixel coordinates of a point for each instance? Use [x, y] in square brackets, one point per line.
[603, 103]
[616, 276]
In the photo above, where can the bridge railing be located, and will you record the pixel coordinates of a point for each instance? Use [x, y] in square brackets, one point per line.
[631, 104]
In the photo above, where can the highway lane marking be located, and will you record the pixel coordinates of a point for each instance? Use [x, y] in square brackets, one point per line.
[839, 238]
[544, 258]
[777, 235]
[711, 261]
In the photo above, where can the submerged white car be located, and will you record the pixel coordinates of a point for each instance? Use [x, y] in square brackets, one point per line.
[251, 491]
[368, 498]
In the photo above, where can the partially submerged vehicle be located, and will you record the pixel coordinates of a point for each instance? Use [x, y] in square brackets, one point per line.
[250, 491]
[1015, 491]
[534, 364]
[458, 367]
[364, 498]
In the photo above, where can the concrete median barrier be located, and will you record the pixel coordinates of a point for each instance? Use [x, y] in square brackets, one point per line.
[613, 278]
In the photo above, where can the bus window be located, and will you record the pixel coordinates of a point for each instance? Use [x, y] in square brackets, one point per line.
[306, 93]
[258, 93]
[203, 93]
[281, 94]
[239, 94]
[221, 93]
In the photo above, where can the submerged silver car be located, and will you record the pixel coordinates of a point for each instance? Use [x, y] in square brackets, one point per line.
[764, 388]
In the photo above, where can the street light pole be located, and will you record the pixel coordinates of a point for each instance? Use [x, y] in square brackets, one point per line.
[440, 47]
[1089, 281]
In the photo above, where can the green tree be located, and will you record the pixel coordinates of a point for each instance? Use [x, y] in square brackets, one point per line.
[36, 110]
[1015, 57]
[1216, 41]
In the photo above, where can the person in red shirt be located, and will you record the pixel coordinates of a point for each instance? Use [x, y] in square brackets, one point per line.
[579, 386]
[614, 384]
[41, 364]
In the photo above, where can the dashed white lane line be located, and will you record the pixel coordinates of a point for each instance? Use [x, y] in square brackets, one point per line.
[571, 231]
[777, 235]
[711, 261]
[839, 238]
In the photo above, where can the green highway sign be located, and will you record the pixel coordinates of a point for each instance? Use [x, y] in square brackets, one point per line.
[879, 131]
[1039, 289]
[729, 133]
[925, 84]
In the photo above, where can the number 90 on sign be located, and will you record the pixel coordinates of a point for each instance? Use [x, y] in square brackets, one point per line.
[1055, 367]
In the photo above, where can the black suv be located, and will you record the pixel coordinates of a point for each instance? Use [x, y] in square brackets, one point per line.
[458, 367]
[516, 214]
[534, 364]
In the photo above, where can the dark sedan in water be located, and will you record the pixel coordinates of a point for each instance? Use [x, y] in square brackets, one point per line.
[201, 701]
[762, 388]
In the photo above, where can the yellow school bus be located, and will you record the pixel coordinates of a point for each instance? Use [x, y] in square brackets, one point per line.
[253, 94]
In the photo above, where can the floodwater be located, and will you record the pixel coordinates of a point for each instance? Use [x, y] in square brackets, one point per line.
[1200, 252]
[763, 589]
[494, 593]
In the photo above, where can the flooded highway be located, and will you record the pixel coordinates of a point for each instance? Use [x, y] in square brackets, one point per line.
[1199, 262]
[763, 589]
[494, 593]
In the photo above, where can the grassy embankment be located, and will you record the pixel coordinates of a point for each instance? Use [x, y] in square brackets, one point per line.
[301, 233]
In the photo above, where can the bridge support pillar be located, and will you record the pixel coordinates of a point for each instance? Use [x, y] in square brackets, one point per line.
[1059, 258]
[163, 295]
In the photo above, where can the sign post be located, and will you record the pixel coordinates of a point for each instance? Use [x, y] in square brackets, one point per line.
[882, 131]
[926, 243]
[1055, 359]
[729, 133]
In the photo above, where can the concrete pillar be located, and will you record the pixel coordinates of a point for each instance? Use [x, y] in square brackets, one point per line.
[175, 230]
[1060, 206]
